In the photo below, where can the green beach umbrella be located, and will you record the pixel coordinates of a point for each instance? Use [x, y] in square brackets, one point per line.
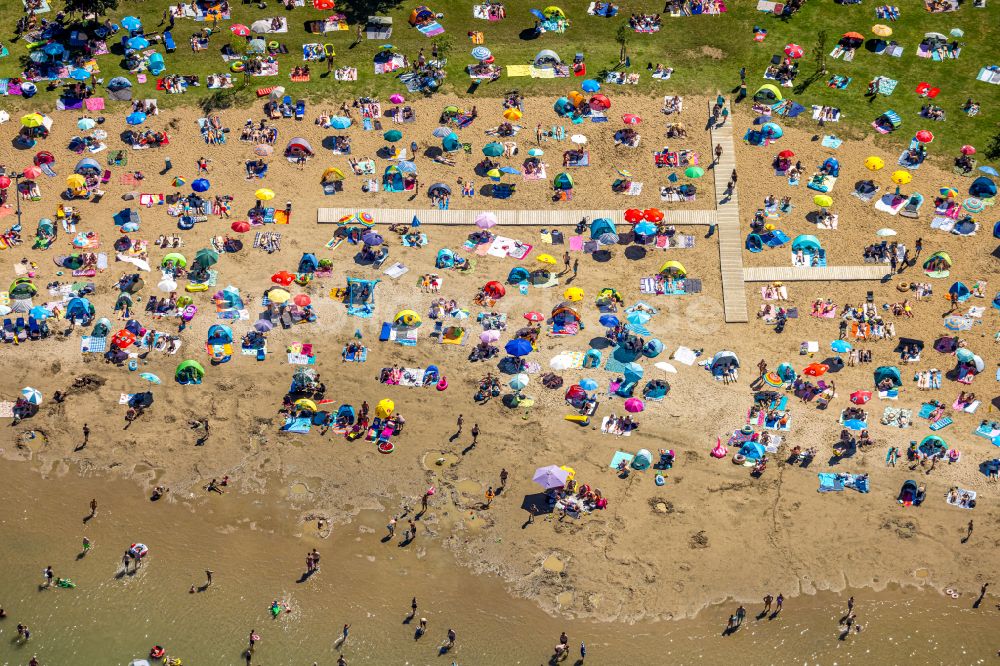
[694, 172]
[393, 135]
[493, 149]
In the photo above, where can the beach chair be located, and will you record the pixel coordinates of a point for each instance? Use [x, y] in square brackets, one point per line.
[20, 330]
[300, 109]
[8, 330]
[168, 42]
[34, 330]
[287, 110]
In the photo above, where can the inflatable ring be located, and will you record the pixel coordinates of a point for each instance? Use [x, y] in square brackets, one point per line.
[739, 459]
[903, 287]
[949, 591]
[954, 595]
[443, 384]
[185, 225]
[192, 287]
[157, 652]
[386, 447]
[238, 67]
[273, 45]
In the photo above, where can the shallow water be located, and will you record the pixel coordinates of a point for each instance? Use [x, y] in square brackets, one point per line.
[256, 548]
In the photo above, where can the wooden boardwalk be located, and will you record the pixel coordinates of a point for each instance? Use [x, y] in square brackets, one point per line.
[734, 297]
[509, 217]
[826, 273]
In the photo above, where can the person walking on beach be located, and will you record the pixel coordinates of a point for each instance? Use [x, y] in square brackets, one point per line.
[503, 478]
[918, 248]
[413, 607]
[48, 576]
[566, 263]
[451, 638]
[762, 366]
[741, 614]
[743, 74]
[208, 578]
[475, 434]
[413, 530]
[93, 508]
[343, 634]
[767, 603]
[86, 546]
[576, 267]
[459, 423]
[86, 435]
[489, 496]
[718, 152]
[425, 498]
[359, 35]
[969, 533]
[850, 604]
[391, 527]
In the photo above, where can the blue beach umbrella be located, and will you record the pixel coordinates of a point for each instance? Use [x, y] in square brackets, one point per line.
[510, 170]
[990, 170]
[39, 312]
[590, 85]
[53, 48]
[518, 347]
[86, 123]
[80, 74]
[137, 43]
[340, 122]
[588, 384]
[406, 166]
[441, 132]
[136, 118]
[150, 377]
[840, 346]
[609, 320]
[645, 228]
[633, 370]
[519, 381]
[38, 56]
[481, 53]
[200, 185]
[131, 23]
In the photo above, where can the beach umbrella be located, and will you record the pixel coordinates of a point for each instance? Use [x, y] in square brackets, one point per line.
[609, 320]
[324, 5]
[493, 149]
[393, 135]
[949, 192]
[645, 228]
[396, 98]
[307, 405]
[149, 377]
[885, 232]
[578, 139]
[99, 134]
[263, 325]
[278, 296]
[510, 170]
[608, 238]
[206, 257]
[385, 408]
[406, 166]
[974, 205]
[772, 130]
[534, 317]
[631, 119]
[256, 45]
[964, 355]
[263, 150]
[86, 123]
[240, 226]
[32, 172]
[573, 294]
[4, 182]
[794, 51]
[76, 180]
[550, 476]
[167, 285]
[861, 397]
[481, 53]
[816, 369]
[958, 322]
[80, 74]
[175, 258]
[200, 185]
[901, 177]
[968, 150]
[131, 23]
[284, 278]
[624, 173]
[786, 154]
[32, 120]
[590, 85]
[302, 300]
[633, 370]
[634, 405]
[925, 136]
[277, 93]
[512, 114]
[373, 239]
[136, 118]
[53, 48]
[536, 152]
[519, 381]
[137, 43]
[240, 30]
[264, 194]
[340, 122]
[38, 56]
[652, 215]
[881, 30]
[874, 163]
[489, 337]
[638, 318]
[32, 395]
[486, 220]
[518, 347]
[989, 170]
[39, 312]
[773, 379]
[823, 200]
[546, 259]
[666, 367]
[957, 32]
[633, 215]
[694, 172]
[441, 132]
[588, 384]
[494, 174]
[840, 346]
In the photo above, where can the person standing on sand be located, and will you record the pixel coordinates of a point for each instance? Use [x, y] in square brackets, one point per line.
[459, 423]
[780, 600]
[576, 267]
[451, 637]
[86, 435]
[93, 508]
[208, 578]
[489, 496]
[391, 527]
[475, 439]
[969, 534]
[566, 262]
[767, 603]
[762, 366]
[413, 529]
[850, 604]
[503, 478]
[741, 614]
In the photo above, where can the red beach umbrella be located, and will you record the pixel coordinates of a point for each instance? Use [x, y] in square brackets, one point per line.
[786, 154]
[240, 30]
[794, 51]
[240, 226]
[284, 278]
[652, 215]
[633, 215]
[301, 300]
[925, 136]
[534, 316]
[966, 150]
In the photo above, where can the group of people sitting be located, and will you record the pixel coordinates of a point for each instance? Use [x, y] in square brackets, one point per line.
[261, 133]
[645, 22]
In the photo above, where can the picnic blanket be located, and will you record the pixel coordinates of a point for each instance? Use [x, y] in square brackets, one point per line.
[830, 482]
[962, 498]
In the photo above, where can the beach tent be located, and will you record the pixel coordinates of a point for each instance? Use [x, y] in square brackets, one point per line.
[938, 264]
[189, 372]
[601, 226]
[723, 361]
[831, 166]
[21, 289]
[451, 144]
[219, 334]
[360, 292]
[643, 460]
[332, 175]
[768, 93]
[960, 291]
[655, 389]
[308, 263]
[563, 314]
[752, 450]
[553, 12]
[298, 147]
[79, 310]
[888, 372]
[88, 166]
[494, 290]
[996, 230]
[754, 243]
[786, 372]
[888, 121]
[673, 269]
[421, 15]
[392, 179]
[983, 188]
[563, 182]
[439, 190]
[546, 59]
[806, 243]
[119, 89]
[445, 258]
[518, 274]
[563, 106]
[932, 444]
[407, 319]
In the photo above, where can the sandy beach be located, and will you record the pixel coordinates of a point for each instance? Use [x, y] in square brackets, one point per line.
[711, 533]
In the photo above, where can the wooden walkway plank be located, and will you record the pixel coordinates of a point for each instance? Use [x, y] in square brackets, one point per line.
[510, 217]
[825, 273]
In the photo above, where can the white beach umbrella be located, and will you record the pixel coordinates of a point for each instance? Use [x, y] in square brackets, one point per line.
[666, 367]
[884, 232]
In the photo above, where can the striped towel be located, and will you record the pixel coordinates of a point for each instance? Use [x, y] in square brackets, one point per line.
[941, 423]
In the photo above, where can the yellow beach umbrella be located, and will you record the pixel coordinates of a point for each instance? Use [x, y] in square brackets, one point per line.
[32, 120]
[385, 408]
[512, 114]
[573, 294]
[882, 30]
[278, 296]
[546, 259]
[822, 200]
[874, 163]
[307, 404]
[76, 180]
[901, 177]
[264, 194]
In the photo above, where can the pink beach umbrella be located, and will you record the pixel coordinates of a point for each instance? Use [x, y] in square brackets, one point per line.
[240, 30]
[486, 220]
[489, 337]
[396, 98]
[794, 51]
[634, 405]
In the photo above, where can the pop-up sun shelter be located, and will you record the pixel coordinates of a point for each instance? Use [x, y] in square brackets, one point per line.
[360, 297]
[960, 292]
[983, 188]
[298, 147]
[88, 166]
[601, 226]
[79, 310]
[308, 263]
[768, 93]
[887, 374]
[723, 361]
[938, 265]
[563, 182]
[673, 269]
[189, 372]
[546, 59]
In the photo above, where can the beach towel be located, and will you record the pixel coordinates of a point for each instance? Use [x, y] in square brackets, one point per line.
[297, 424]
[890, 203]
[831, 482]
[831, 141]
[92, 345]
[432, 29]
[941, 423]
[962, 498]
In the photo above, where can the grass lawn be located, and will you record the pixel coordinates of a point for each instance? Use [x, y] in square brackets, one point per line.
[705, 51]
